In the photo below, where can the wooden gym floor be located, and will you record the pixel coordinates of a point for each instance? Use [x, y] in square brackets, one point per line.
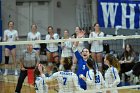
[8, 85]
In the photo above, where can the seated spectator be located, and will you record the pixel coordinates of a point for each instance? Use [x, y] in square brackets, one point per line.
[127, 59]
[135, 70]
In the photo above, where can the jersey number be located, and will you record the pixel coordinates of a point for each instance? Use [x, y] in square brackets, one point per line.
[64, 80]
[97, 79]
[84, 67]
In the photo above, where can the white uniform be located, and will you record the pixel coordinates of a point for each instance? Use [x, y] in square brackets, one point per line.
[66, 49]
[32, 37]
[96, 45]
[112, 79]
[94, 82]
[52, 47]
[67, 81]
[40, 85]
[10, 36]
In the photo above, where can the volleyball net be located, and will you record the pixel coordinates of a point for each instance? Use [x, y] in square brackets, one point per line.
[112, 44]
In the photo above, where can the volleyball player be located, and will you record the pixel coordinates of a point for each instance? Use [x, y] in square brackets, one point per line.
[94, 78]
[10, 35]
[34, 35]
[40, 84]
[52, 48]
[78, 34]
[97, 45]
[112, 78]
[67, 80]
[66, 48]
[81, 62]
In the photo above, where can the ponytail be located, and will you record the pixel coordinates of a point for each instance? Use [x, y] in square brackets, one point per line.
[91, 63]
[113, 61]
[116, 63]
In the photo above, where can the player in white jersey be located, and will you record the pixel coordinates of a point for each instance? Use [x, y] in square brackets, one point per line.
[40, 84]
[34, 35]
[66, 48]
[10, 35]
[80, 47]
[52, 48]
[97, 45]
[94, 78]
[112, 78]
[67, 80]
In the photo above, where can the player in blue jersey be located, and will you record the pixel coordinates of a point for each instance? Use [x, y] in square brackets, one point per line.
[81, 62]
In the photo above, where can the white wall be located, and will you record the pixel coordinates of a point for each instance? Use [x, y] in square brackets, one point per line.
[94, 11]
[8, 12]
[32, 13]
[65, 16]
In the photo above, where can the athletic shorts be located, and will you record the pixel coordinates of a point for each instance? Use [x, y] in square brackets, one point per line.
[36, 48]
[10, 47]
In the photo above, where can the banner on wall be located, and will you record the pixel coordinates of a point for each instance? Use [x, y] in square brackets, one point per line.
[125, 13]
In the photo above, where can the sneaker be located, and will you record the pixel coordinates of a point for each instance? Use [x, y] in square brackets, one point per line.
[16, 72]
[136, 80]
[6, 72]
[129, 73]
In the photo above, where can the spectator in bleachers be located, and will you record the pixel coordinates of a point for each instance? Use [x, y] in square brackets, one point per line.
[127, 59]
[34, 35]
[97, 45]
[66, 48]
[78, 34]
[135, 70]
[52, 48]
[10, 35]
[86, 35]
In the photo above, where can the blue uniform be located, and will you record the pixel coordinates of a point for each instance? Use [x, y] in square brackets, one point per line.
[82, 69]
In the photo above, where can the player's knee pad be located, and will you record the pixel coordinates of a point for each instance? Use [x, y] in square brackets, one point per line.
[6, 59]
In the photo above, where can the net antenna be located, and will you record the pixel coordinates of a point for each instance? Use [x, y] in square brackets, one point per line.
[117, 28]
[116, 33]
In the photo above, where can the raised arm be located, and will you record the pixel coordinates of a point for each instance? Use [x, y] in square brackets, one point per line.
[89, 79]
[75, 50]
[51, 78]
